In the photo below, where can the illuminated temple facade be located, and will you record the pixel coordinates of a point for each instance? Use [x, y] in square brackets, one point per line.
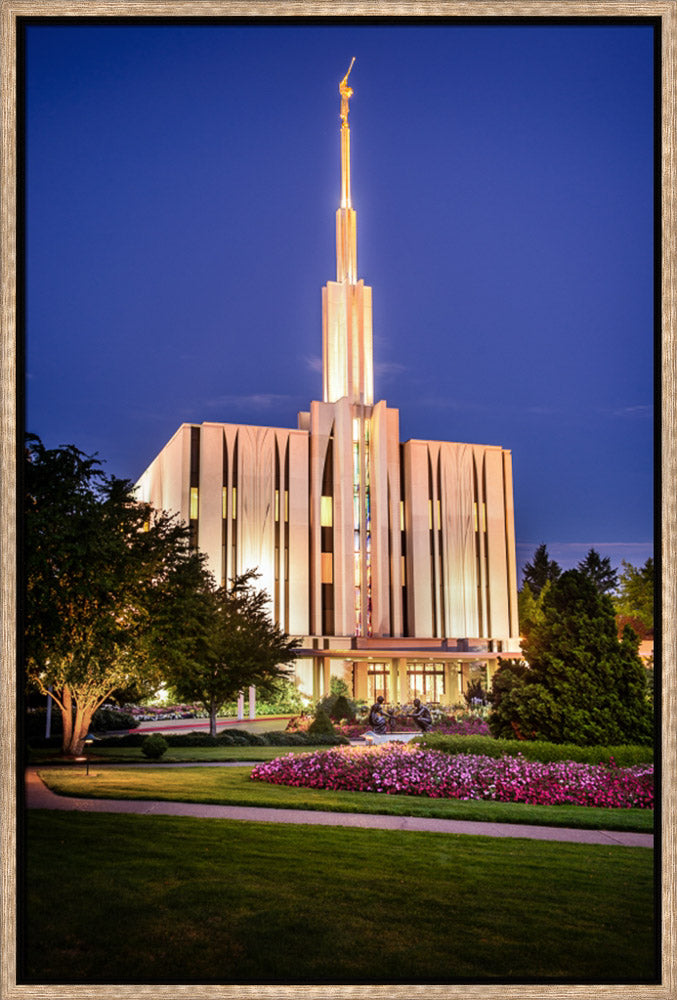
[394, 562]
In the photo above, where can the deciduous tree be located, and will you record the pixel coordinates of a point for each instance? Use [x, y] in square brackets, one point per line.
[110, 585]
[240, 646]
[635, 597]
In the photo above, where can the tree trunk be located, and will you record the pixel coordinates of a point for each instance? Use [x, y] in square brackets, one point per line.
[212, 719]
[83, 717]
[67, 720]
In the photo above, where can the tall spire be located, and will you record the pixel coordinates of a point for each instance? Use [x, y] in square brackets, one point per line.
[346, 303]
[346, 93]
[346, 220]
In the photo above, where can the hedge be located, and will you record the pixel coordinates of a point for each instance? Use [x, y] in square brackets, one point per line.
[236, 737]
[625, 756]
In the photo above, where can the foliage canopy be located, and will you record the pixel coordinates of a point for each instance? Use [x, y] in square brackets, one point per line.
[237, 646]
[109, 583]
[582, 685]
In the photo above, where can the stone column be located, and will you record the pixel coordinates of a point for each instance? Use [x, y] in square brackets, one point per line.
[252, 702]
[394, 682]
[402, 681]
[360, 685]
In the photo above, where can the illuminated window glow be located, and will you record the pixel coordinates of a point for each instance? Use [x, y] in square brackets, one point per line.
[326, 512]
[327, 567]
[193, 503]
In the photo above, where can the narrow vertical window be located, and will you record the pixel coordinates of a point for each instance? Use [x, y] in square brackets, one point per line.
[194, 503]
[326, 512]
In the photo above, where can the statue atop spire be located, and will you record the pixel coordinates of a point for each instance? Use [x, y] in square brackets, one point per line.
[346, 93]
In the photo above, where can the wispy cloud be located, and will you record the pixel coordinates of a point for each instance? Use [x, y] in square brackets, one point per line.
[633, 411]
[255, 401]
[388, 369]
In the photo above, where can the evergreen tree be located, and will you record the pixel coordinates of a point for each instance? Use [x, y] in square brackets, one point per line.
[599, 571]
[541, 570]
[583, 685]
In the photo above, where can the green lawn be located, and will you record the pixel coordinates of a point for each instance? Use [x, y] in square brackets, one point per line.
[175, 755]
[232, 786]
[141, 899]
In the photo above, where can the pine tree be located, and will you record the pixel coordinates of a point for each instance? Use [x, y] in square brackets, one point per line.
[599, 571]
[541, 570]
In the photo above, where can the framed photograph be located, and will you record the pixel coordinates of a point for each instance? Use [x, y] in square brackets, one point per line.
[371, 307]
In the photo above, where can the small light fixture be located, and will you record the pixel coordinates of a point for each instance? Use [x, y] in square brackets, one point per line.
[89, 740]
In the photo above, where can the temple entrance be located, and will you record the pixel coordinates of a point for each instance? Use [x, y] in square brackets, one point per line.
[426, 681]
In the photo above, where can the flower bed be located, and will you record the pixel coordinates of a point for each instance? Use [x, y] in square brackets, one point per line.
[446, 725]
[398, 769]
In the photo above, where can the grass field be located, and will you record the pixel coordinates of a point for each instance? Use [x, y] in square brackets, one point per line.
[175, 755]
[124, 899]
[232, 786]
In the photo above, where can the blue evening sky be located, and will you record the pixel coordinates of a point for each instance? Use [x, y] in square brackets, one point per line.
[181, 187]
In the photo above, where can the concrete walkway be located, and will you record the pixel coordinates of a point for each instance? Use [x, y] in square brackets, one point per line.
[38, 796]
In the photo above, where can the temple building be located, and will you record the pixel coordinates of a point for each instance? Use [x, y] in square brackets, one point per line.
[394, 562]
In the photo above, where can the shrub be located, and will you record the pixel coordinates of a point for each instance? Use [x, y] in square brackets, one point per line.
[535, 750]
[154, 746]
[229, 738]
[475, 694]
[107, 719]
[343, 709]
[321, 724]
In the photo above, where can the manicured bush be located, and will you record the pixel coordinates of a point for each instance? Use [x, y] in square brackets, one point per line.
[321, 724]
[537, 750]
[228, 738]
[107, 719]
[154, 746]
[342, 709]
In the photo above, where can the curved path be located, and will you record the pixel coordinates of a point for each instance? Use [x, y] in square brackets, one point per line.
[38, 796]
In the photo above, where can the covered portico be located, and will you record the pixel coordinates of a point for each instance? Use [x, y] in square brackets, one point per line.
[401, 669]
